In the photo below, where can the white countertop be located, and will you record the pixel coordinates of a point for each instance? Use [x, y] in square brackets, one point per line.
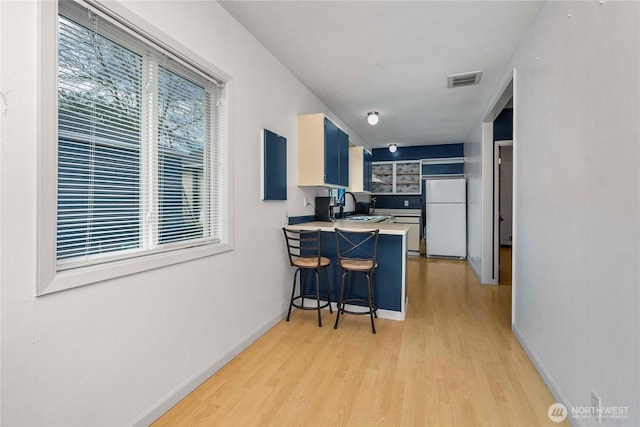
[384, 227]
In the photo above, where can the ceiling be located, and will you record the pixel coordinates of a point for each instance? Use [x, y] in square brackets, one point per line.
[393, 57]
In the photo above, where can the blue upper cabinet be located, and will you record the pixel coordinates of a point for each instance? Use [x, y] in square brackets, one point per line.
[343, 159]
[323, 152]
[331, 153]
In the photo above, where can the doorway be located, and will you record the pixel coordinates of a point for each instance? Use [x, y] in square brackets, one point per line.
[490, 266]
[503, 198]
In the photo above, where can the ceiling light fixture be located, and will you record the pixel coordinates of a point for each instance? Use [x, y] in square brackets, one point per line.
[372, 117]
[393, 148]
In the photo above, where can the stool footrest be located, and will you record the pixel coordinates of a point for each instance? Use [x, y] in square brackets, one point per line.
[362, 302]
[311, 297]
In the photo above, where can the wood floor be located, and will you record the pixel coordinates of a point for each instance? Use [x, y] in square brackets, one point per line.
[453, 362]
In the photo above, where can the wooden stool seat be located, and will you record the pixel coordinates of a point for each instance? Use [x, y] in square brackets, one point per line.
[358, 264]
[305, 262]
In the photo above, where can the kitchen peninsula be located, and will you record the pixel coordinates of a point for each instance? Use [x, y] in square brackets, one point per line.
[389, 279]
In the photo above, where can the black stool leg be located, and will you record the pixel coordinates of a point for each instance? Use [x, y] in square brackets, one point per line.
[373, 297]
[346, 286]
[326, 287]
[371, 309]
[293, 292]
[318, 297]
[340, 306]
[303, 285]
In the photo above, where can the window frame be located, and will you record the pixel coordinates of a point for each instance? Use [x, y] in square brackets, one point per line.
[50, 278]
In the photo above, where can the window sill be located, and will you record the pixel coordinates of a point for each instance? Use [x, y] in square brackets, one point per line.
[69, 279]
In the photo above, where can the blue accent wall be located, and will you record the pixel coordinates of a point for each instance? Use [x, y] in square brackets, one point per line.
[397, 201]
[456, 168]
[503, 125]
[293, 220]
[419, 152]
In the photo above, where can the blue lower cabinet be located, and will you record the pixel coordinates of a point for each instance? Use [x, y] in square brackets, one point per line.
[387, 279]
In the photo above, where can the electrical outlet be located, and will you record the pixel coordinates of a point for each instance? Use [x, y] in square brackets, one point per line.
[286, 218]
[596, 407]
[305, 202]
[406, 203]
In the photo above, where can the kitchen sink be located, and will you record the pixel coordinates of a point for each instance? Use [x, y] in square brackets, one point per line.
[367, 218]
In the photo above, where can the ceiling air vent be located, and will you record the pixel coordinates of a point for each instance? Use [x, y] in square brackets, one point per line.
[464, 79]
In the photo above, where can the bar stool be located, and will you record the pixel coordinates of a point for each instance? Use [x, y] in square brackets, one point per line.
[304, 250]
[357, 254]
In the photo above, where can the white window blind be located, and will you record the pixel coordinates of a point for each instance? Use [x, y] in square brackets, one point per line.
[139, 134]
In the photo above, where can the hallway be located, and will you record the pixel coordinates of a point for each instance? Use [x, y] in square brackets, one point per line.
[453, 362]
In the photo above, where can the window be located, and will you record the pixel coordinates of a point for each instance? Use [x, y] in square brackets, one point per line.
[338, 195]
[140, 148]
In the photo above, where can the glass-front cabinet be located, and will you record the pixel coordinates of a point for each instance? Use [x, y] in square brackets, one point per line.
[396, 177]
[408, 177]
[382, 178]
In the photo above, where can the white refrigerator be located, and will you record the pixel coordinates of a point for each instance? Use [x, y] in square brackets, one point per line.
[446, 218]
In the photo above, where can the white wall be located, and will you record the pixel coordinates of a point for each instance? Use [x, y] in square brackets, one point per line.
[479, 170]
[114, 352]
[577, 234]
[2, 141]
[473, 169]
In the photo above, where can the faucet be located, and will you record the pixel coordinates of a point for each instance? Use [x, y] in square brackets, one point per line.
[343, 201]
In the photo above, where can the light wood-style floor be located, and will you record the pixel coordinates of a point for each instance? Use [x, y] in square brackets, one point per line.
[453, 362]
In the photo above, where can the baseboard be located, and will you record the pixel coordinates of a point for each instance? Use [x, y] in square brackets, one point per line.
[180, 392]
[548, 379]
[390, 314]
[475, 269]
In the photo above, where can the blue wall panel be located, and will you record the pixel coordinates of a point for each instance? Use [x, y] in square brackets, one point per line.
[275, 166]
[456, 168]
[293, 220]
[503, 126]
[419, 152]
[397, 201]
